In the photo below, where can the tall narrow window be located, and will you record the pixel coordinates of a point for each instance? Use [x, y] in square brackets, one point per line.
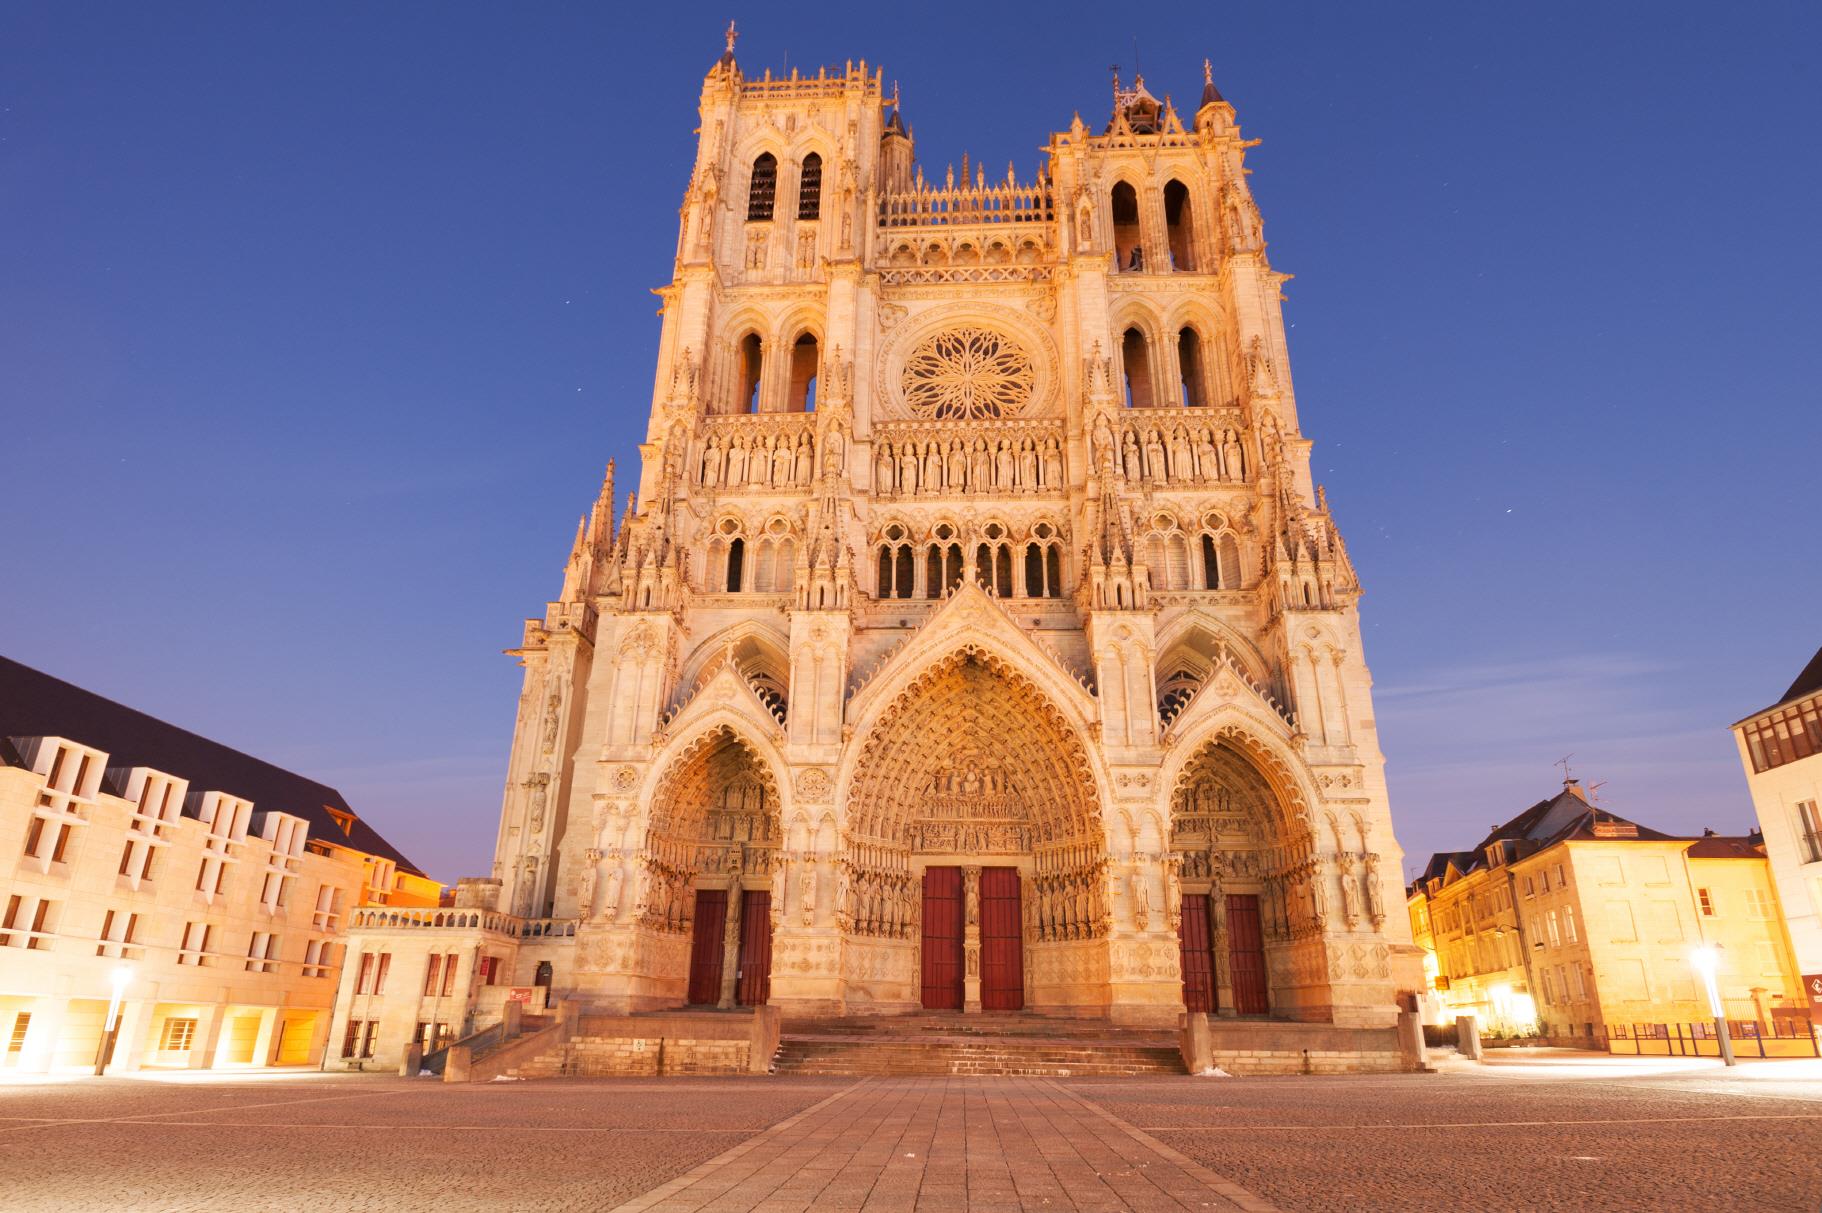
[904, 574]
[752, 359]
[1809, 824]
[809, 188]
[1189, 366]
[933, 572]
[885, 571]
[1053, 563]
[1211, 564]
[1034, 571]
[1002, 567]
[764, 188]
[431, 973]
[1135, 364]
[1179, 228]
[737, 553]
[1128, 255]
[804, 364]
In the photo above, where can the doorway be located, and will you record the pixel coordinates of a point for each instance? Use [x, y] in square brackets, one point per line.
[754, 969]
[1002, 941]
[1246, 954]
[706, 945]
[942, 939]
[1197, 953]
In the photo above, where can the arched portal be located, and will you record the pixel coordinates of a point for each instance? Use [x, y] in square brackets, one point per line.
[707, 871]
[1252, 912]
[975, 849]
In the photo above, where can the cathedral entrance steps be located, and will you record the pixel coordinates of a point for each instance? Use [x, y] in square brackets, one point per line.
[986, 1044]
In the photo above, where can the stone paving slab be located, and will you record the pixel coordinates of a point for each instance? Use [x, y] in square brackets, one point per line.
[933, 1145]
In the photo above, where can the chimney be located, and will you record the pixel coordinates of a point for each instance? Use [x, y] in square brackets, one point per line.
[1574, 787]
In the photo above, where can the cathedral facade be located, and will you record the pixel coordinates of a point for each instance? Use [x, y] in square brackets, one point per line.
[975, 637]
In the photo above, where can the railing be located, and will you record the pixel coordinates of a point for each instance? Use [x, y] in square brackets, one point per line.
[1783, 1038]
[930, 206]
[462, 920]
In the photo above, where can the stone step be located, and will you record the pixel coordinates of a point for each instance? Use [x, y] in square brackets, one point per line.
[799, 1054]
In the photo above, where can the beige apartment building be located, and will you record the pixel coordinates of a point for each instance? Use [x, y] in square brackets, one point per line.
[1571, 922]
[1781, 750]
[198, 892]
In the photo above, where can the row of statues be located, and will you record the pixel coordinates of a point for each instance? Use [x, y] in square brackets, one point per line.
[1202, 455]
[879, 904]
[1009, 465]
[762, 462]
[1066, 906]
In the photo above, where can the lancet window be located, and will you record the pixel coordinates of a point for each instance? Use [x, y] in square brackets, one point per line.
[993, 562]
[1128, 251]
[1192, 381]
[897, 565]
[751, 364]
[1135, 365]
[805, 363]
[773, 558]
[764, 188]
[1179, 228]
[809, 188]
[1043, 564]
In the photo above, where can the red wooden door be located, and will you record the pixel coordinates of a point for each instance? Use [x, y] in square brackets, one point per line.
[943, 939]
[1246, 954]
[706, 943]
[755, 981]
[1002, 941]
[1198, 955]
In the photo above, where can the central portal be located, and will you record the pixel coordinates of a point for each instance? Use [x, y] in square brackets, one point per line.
[973, 931]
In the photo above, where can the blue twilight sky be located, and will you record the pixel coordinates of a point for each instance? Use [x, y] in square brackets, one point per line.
[318, 322]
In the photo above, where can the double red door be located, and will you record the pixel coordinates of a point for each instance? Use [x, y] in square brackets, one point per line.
[1246, 954]
[1002, 942]
[1198, 954]
[754, 986]
[706, 943]
[943, 933]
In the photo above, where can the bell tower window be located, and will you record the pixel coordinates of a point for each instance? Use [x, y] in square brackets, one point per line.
[1189, 365]
[1127, 249]
[764, 189]
[804, 363]
[752, 360]
[809, 188]
[1179, 228]
[1135, 362]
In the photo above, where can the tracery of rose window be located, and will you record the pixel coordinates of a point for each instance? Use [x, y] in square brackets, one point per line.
[968, 374]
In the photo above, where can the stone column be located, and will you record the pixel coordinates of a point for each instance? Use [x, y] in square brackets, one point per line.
[971, 940]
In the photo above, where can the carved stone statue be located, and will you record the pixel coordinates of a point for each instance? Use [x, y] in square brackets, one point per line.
[616, 880]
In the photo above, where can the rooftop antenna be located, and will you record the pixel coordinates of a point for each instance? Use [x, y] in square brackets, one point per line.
[1593, 788]
[1563, 762]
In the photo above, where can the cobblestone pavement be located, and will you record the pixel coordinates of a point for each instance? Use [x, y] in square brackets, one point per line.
[1538, 1134]
[1578, 1133]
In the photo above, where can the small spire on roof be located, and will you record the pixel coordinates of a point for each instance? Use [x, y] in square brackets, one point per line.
[732, 34]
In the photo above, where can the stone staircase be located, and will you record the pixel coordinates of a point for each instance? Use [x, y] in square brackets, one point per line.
[983, 1044]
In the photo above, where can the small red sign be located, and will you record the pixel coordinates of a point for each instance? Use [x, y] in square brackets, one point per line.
[519, 994]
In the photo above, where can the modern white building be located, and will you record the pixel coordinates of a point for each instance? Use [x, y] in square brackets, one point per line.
[1781, 749]
[190, 894]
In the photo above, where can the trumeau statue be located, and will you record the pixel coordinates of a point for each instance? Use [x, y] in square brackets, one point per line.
[987, 501]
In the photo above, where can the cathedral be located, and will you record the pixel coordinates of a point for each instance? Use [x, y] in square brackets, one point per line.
[975, 637]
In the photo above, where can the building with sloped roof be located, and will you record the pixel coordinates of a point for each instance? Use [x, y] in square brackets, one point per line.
[168, 890]
[1781, 751]
[1572, 922]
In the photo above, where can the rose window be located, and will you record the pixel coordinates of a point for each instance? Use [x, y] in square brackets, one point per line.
[968, 374]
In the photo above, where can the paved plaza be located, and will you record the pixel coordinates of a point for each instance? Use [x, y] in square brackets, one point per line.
[1536, 1131]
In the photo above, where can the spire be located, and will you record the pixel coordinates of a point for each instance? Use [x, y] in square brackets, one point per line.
[727, 56]
[601, 524]
[1210, 94]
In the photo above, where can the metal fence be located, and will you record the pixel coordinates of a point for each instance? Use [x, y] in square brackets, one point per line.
[1784, 1038]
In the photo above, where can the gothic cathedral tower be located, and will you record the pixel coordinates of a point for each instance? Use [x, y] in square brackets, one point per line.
[976, 637]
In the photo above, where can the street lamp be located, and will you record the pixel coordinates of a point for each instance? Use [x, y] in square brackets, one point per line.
[121, 977]
[1707, 959]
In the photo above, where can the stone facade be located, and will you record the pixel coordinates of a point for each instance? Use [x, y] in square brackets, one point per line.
[974, 533]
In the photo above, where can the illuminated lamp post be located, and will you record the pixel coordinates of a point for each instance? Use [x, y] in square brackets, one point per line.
[1707, 959]
[121, 977]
